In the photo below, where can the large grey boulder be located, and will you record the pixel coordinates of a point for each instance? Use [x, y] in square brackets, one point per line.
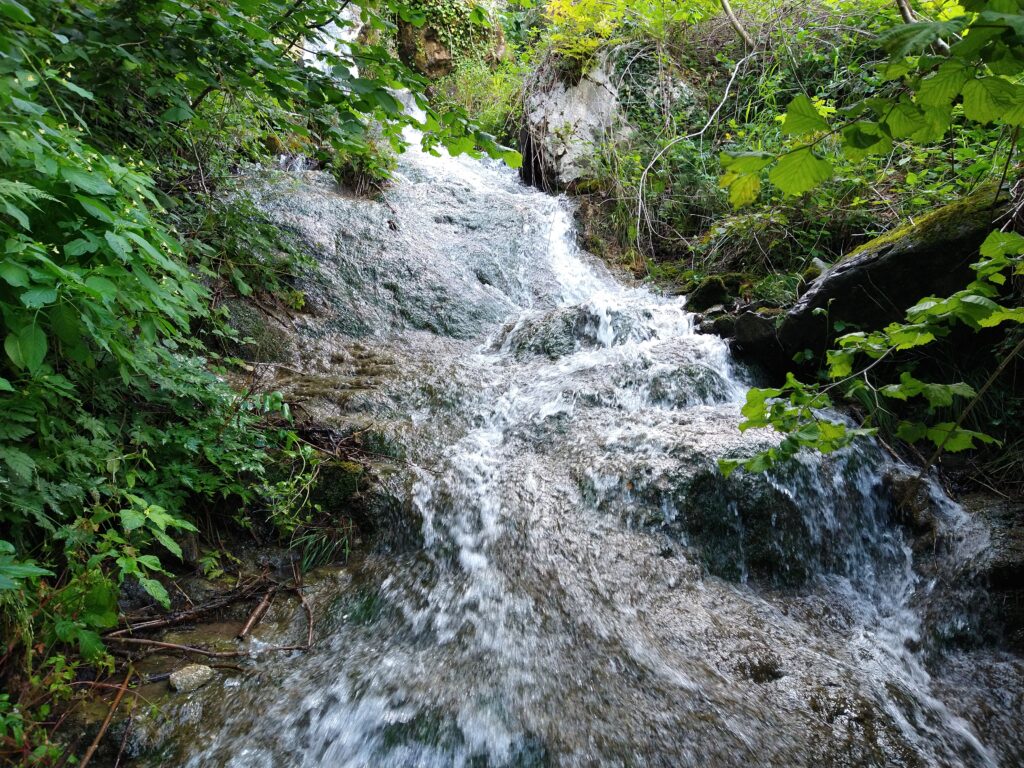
[564, 122]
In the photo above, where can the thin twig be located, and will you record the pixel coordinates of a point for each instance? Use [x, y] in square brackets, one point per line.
[177, 647]
[106, 722]
[257, 613]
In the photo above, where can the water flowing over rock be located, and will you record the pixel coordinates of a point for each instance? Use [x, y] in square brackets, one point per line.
[585, 588]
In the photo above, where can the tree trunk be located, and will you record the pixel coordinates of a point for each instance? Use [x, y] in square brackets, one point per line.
[747, 39]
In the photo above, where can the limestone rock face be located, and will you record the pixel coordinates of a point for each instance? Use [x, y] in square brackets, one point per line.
[190, 678]
[564, 122]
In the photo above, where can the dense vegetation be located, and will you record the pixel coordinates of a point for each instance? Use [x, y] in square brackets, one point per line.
[766, 144]
[763, 144]
[122, 125]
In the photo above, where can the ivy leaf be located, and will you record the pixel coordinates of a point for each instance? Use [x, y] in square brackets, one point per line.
[802, 118]
[799, 172]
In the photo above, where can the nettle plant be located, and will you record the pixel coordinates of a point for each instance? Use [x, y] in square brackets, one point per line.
[950, 75]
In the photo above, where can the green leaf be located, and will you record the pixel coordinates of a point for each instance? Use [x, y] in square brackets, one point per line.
[904, 39]
[118, 245]
[20, 463]
[88, 182]
[987, 99]
[177, 114]
[904, 120]
[90, 645]
[27, 348]
[802, 118]
[940, 89]
[5, 385]
[169, 544]
[14, 274]
[132, 519]
[16, 11]
[100, 606]
[156, 590]
[799, 172]
[744, 190]
[39, 297]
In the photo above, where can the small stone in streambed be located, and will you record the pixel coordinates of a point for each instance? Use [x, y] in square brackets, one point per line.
[190, 678]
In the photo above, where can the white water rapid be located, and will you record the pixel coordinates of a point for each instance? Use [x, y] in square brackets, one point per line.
[566, 579]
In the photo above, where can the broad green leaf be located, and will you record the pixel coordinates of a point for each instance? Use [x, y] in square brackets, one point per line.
[132, 519]
[16, 11]
[156, 590]
[27, 348]
[989, 98]
[15, 274]
[744, 189]
[941, 88]
[118, 245]
[799, 172]
[802, 118]
[39, 297]
[169, 544]
[177, 114]
[89, 182]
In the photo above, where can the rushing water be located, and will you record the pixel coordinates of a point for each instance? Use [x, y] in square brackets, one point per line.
[583, 588]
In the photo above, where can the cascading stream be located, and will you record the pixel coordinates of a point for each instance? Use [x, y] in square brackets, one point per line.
[588, 589]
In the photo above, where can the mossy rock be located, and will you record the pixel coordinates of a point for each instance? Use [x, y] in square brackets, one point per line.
[261, 339]
[876, 283]
[337, 484]
[716, 289]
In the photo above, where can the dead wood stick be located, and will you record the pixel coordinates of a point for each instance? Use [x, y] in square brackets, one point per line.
[106, 722]
[257, 613]
[177, 647]
[239, 594]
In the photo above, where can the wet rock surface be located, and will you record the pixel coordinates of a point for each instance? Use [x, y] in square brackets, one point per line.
[581, 586]
[190, 678]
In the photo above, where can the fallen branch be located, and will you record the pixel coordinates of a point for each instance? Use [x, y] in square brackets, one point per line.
[257, 613]
[106, 722]
[177, 647]
[241, 593]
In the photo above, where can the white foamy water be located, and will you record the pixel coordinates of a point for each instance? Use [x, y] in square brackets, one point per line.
[586, 589]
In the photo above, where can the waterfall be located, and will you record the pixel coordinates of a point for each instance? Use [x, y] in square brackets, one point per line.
[588, 590]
